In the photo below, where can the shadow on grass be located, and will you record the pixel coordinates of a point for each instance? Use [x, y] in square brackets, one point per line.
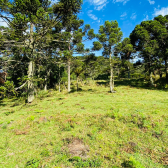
[1, 102]
[104, 83]
[73, 89]
[12, 102]
[137, 83]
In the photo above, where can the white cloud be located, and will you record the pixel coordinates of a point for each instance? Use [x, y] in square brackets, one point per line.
[99, 4]
[146, 18]
[92, 16]
[3, 23]
[151, 2]
[163, 11]
[133, 17]
[124, 1]
[124, 14]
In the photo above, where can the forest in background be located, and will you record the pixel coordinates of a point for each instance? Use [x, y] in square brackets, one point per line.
[38, 47]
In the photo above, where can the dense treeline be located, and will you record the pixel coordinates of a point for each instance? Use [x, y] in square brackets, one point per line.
[38, 46]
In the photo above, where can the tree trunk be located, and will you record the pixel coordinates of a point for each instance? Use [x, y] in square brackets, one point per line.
[77, 83]
[128, 72]
[118, 73]
[59, 80]
[166, 70]
[151, 79]
[69, 75]
[31, 69]
[111, 76]
[30, 82]
[46, 79]
[45, 83]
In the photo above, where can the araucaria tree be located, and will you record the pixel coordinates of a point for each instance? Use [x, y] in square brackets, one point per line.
[108, 37]
[150, 39]
[39, 17]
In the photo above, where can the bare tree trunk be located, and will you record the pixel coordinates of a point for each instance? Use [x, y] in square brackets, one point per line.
[166, 69]
[151, 79]
[118, 72]
[128, 72]
[46, 79]
[45, 83]
[59, 79]
[111, 76]
[69, 75]
[30, 82]
[77, 83]
[160, 73]
[31, 69]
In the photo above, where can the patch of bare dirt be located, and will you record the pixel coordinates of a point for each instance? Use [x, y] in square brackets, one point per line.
[130, 147]
[78, 148]
[19, 132]
[43, 119]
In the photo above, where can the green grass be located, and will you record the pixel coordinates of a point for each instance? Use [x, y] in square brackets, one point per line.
[125, 129]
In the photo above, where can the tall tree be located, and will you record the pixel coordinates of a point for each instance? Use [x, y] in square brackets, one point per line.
[39, 17]
[161, 34]
[109, 35]
[150, 40]
[124, 49]
[72, 39]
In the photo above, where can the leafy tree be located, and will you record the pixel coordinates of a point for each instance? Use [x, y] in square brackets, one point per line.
[40, 17]
[124, 49]
[149, 39]
[109, 35]
[78, 68]
[72, 39]
[161, 34]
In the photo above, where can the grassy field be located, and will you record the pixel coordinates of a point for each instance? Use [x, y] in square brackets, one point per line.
[89, 128]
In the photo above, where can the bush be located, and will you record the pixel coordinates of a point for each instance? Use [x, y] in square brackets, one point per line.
[132, 163]
[7, 90]
[34, 163]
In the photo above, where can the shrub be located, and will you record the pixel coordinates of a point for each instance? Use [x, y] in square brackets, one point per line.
[132, 163]
[7, 90]
[34, 163]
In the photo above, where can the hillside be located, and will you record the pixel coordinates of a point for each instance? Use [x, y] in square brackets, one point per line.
[89, 128]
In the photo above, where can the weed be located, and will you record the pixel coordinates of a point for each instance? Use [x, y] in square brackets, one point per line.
[31, 118]
[4, 126]
[79, 163]
[34, 163]
[9, 112]
[45, 153]
[132, 163]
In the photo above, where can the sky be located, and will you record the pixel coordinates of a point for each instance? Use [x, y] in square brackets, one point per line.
[128, 13]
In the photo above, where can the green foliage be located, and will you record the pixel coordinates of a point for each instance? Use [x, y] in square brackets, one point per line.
[45, 153]
[78, 67]
[150, 39]
[7, 90]
[9, 112]
[132, 163]
[31, 118]
[79, 163]
[64, 77]
[97, 45]
[34, 163]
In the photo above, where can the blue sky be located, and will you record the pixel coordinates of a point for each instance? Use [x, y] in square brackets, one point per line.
[128, 13]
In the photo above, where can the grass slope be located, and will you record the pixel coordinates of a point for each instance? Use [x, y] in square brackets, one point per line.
[90, 128]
